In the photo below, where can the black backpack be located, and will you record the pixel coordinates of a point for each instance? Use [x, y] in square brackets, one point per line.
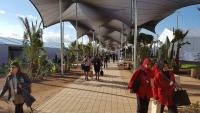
[137, 82]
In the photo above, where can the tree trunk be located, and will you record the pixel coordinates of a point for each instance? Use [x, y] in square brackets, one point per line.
[172, 52]
[177, 67]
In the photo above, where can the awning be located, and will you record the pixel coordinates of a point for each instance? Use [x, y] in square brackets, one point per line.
[108, 13]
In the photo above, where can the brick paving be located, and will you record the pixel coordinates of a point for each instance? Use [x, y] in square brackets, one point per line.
[109, 95]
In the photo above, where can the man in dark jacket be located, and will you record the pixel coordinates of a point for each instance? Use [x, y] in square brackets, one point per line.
[97, 65]
[18, 86]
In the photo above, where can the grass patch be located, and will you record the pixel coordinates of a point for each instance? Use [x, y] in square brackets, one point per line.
[189, 66]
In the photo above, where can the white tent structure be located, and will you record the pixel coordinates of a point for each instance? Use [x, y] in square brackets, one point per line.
[166, 33]
[189, 52]
[92, 14]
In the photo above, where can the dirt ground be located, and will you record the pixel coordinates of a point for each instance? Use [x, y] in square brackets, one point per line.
[44, 89]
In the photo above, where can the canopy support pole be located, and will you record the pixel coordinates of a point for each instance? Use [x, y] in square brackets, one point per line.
[124, 38]
[63, 45]
[61, 36]
[96, 47]
[132, 51]
[125, 48]
[82, 47]
[76, 32]
[121, 44]
[132, 30]
[135, 36]
[93, 43]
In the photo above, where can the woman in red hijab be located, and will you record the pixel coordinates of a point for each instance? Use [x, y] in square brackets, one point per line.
[163, 87]
[144, 92]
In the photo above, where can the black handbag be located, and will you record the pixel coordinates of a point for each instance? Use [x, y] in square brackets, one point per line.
[180, 97]
[101, 72]
[135, 85]
[83, 66]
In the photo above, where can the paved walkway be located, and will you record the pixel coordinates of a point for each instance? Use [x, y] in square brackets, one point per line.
[109, 95]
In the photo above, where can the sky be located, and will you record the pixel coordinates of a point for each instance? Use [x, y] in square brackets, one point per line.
[11, 10]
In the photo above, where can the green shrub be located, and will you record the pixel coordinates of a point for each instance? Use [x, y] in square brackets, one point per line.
[131, 67]
[4, 70]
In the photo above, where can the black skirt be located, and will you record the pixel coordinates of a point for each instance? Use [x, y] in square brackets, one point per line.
[86, 68]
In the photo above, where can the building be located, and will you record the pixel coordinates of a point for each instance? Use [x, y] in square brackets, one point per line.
[189, 52]
[13, 48]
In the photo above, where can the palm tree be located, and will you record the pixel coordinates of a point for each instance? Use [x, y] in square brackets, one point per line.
[32, 43]
[164, 50]
[172, 50]
[179, 38]
[144, 43]
[88, 48]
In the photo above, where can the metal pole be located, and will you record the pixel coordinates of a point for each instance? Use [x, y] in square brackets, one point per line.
[122, 38]
[135, 36]
[132, 53]
[98, 51]
[125, 48]
[61, 36]
[121, 45]
[93, 43]
[77, 32]
[82, 46]
[132, 30]
[177, 19]
[157, 41]
[63, 45]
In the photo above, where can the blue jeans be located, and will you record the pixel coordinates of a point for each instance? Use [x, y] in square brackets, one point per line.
[19, 108]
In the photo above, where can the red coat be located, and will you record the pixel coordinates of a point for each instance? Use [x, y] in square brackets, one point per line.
[145, 88]
[155, 69]
[162, 90]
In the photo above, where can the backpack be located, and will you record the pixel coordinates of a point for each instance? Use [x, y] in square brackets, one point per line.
[136, 83]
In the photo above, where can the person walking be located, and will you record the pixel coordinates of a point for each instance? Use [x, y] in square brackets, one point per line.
[97, 65]
[163, 87]
[143, 87]
[18, 86]
[87, 66]
[105, 62]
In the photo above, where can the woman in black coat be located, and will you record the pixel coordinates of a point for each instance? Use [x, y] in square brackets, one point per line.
[18, 86]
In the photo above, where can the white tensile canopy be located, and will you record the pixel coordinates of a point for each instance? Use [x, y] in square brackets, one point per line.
[107, 18]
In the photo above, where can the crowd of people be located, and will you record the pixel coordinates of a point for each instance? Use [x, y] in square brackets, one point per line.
[156, 82]
[98, 62]
[148, 81]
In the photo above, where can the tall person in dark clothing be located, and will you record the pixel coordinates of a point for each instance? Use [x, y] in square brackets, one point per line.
[97, 65]
[105, 62]
[113, 58]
